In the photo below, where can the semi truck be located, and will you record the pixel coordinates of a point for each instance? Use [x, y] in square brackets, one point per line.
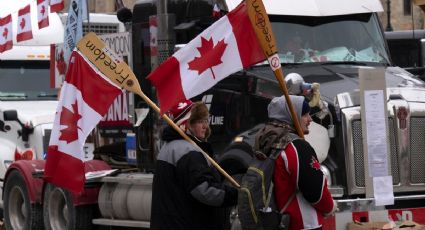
[335, 39]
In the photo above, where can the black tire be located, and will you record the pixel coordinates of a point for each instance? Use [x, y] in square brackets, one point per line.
[19, 213]
[60, 212]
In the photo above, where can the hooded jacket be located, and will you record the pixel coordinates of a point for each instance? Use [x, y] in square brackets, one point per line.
[297, 177]
[187, 193]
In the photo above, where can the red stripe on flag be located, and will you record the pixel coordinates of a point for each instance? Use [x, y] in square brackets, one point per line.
[249, 48]
[64, 170]
[43, 23]
[6, 46]
[5, 20]
[25, 10]
[167, 81]
[97, 92]
[24, 36]
[56, 7]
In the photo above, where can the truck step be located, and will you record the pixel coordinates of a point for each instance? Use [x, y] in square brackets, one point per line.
[122, 223]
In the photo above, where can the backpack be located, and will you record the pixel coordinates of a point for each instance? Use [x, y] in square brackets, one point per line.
[257, 208]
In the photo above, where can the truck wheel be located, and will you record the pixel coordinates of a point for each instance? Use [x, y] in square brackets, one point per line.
[61, 214]
[19, 213]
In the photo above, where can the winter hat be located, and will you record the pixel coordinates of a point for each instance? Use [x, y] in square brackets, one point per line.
[199, 111]
[278, 109]
[306, 108]
[180, 113]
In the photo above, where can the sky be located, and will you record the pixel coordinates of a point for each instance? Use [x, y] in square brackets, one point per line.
[12, 6]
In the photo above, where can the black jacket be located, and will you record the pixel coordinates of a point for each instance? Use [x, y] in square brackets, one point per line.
[187, 192]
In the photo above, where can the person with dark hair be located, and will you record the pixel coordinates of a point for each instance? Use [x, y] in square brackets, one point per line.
[299, 184]
[187, 192]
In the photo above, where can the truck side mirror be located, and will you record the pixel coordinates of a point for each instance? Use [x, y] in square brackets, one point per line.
[10, 115]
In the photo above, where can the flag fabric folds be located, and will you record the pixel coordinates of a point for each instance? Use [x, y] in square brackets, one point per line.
[227, 46]
[43, 13]
[6, 42]
[56, 5]
[24, 24]
[86, 96]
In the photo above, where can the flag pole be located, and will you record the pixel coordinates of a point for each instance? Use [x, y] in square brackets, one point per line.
[260, 22]
[121, 75]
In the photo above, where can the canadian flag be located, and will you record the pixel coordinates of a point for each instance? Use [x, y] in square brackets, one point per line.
[42, 13]
[56, 5]
[227, 46]
[85, 97]
[6, 42]
[24, 24]
[153, 32]
[216, 11]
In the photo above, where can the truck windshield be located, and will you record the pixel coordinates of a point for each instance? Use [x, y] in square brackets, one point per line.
[25, 80]
[343, 38]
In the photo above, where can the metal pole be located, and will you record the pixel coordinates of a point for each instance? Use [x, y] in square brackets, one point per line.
[88, 16]
[161, 7]
[389, 27]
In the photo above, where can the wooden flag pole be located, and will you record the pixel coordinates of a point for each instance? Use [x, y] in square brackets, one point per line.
[120, 74]
[263, 29]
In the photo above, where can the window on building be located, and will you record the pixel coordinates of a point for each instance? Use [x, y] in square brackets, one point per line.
[407, 7]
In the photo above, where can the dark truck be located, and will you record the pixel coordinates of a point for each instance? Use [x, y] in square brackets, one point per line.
[327, 46]
[407, 49]
[325, 43]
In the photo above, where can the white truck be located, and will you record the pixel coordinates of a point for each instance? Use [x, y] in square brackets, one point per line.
[27, 103]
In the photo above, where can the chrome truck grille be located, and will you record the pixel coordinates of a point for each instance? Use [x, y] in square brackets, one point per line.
[406, 148]
[417, 149]
[358, 153]
[101, 28]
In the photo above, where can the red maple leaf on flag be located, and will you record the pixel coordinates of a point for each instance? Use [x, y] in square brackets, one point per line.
[210, 56]
[22, 24]
[43, 10]
[5, 32]
[315, 163]
[69, 119]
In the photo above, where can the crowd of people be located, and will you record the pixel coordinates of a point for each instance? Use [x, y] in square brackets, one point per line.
[189, 193]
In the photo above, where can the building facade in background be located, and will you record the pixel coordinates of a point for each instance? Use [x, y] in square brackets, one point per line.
[404, 14]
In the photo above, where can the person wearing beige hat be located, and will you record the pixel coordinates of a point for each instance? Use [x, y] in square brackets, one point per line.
[188, 192]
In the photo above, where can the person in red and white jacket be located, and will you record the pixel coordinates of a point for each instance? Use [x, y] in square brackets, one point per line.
[300, 185]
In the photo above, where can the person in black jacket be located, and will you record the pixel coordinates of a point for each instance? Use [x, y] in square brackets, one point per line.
[187, 191]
